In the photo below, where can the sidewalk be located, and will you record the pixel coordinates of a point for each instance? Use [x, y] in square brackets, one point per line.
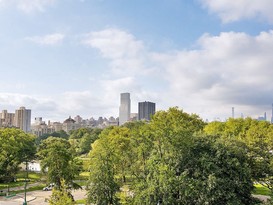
[18, 199]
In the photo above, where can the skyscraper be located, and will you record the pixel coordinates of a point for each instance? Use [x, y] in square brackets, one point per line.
[23, 119]
[124, 108]
[146, 110]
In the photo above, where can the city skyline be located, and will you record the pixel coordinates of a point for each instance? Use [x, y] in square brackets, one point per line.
[75, 57]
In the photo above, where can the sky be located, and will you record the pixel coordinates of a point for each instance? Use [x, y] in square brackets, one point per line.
[63, 58]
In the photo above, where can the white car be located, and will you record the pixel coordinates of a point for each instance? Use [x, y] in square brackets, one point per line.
[49, 187]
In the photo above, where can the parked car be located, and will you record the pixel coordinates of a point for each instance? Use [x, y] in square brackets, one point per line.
[49, 187]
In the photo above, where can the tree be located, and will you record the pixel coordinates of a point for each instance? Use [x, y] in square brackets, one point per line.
[257, 136]
[82, 138]
[171, 133]
[60, 134]
[16, 147]
[61, 196]
[57, 157]
[216, 172]
[170, 161]
[103, 185]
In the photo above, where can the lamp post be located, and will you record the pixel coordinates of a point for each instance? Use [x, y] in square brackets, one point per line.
[26, 175]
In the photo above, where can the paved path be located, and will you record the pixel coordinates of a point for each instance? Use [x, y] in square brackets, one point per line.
[37, 198]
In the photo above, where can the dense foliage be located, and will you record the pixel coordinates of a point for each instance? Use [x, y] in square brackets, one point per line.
[175, 158]
[58, 161]
[16, 147]
[258, 138]
[61, 196]
[82, 138]
[60, 134]
[169, 161]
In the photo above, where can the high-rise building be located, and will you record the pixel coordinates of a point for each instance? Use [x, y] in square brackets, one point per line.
[124, 108]
[145, 110]
[23, 119]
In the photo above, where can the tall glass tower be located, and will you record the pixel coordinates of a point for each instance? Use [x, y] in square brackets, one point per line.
[146, 110]
[124, 108]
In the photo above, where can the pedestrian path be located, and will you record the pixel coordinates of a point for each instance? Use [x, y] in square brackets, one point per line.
[16, 199]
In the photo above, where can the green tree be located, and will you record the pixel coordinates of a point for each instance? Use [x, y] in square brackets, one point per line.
[216, 172]
[82, 138]
[257, 135]
[16, 147]
[60, 134]
[103, 184]
[171, 133]
[61, 196]
[58, 161]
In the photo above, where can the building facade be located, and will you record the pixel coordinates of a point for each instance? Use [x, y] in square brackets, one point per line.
[7, 119]
[146, 110]
[23, 119]
[125, 108]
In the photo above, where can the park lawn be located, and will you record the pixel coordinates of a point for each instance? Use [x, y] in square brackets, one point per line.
[34, 188]
[12, 184]
[33, 176]
[20, 179]
[81, 201]
[261, 190]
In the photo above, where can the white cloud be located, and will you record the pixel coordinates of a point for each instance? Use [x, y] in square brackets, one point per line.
[50, 39]
[127, 55]
[224, 71]
[40, 106]
[232, 69]
[28, 6]
[241, 9]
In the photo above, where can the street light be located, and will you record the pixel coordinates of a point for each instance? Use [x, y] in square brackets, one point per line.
[26, 175]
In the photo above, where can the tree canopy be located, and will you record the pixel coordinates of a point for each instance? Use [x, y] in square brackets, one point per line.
[169, 161]
[58, 160]
[16, 147]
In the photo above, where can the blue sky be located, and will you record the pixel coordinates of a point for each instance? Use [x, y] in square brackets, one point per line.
[70, 57]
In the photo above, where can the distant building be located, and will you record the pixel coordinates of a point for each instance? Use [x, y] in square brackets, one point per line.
[262, 118]
[78, 119]
[133, 117]
[57, 126]
[38, 120]
[125, 108]
[146, 110]
[7, 119]
[23, 119]
[40, 128]
[70, 124]
[112, 121]
[34, 166]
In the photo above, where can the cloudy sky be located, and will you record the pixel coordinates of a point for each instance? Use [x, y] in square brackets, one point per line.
[69, 57]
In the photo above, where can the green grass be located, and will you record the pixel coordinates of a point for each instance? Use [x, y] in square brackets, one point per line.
[12, 184]
[33, 176]
[261, 190]
[20, 180]
[81, 201]
[34, 188]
